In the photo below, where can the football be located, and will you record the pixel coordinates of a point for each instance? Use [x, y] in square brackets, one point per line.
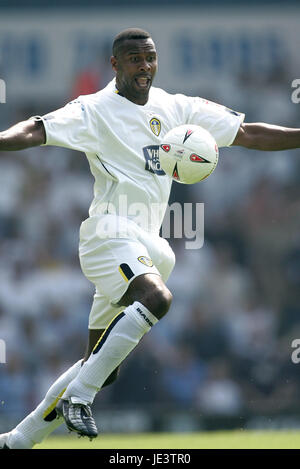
[188, 154]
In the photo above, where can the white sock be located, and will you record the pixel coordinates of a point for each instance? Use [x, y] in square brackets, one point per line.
[118, 340]
[34, 428]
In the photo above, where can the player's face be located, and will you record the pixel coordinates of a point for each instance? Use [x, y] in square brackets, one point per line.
[135, 67]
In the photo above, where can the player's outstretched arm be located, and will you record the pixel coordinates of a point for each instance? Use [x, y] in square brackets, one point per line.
[266, 137]
[26, 134]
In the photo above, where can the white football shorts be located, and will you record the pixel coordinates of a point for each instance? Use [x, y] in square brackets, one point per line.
[114, 250]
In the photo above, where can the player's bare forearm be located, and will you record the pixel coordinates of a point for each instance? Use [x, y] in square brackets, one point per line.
[266, 137]
[23, 135]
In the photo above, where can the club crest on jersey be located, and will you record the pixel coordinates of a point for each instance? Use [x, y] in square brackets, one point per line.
[155, 126]
[146, 261]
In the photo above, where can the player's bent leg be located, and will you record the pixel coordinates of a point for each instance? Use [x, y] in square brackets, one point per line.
[43, 420]
[151, 291]
[113, 265]
[3, 441]
[119, 339]
[94, 336]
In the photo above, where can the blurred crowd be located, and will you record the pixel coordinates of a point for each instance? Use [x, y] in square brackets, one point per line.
[225, 346]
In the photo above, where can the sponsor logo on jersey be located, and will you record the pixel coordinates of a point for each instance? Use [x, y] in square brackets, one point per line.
[151, 155]
[146, 261]
[155, 126]
[198, 159]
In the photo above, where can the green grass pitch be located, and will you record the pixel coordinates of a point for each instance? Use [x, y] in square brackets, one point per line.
[241, 439]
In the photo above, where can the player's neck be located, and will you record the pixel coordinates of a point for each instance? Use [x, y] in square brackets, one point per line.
[139, 100]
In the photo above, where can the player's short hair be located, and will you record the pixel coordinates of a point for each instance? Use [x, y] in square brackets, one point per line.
[130, 33]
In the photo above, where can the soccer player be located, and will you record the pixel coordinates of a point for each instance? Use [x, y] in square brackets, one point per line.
[119, 128]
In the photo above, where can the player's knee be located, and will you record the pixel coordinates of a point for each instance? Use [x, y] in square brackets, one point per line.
[158, 301]
[151, 291]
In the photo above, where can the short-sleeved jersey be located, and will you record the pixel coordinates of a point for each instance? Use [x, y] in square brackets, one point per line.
[121, 141]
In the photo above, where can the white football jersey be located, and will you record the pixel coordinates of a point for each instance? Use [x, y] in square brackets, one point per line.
[121, 141]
